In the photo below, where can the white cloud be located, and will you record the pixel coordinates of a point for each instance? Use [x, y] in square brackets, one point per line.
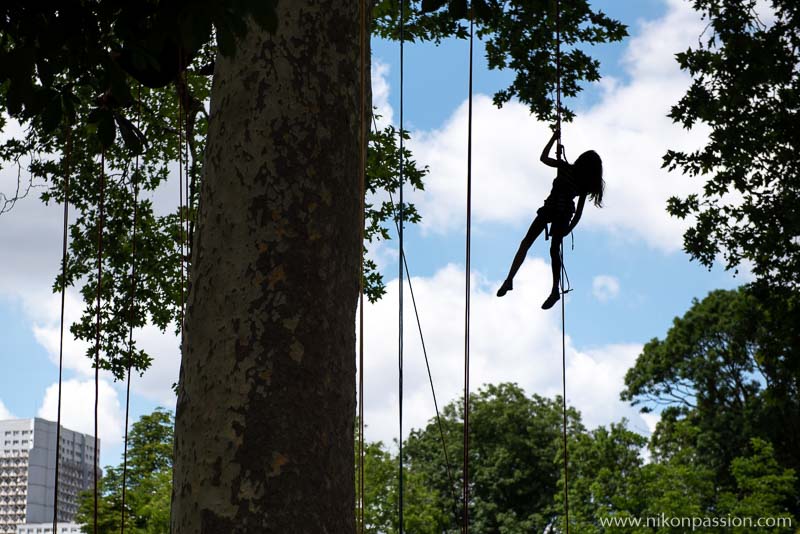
[163, 347]
[594, 380]
[45, 312]
[628, 127]
[4, 412]
[380, 92]
[512, 340]
[652, 420]
[77, 409]
[766, 12]
[605, 287]
[156, 383]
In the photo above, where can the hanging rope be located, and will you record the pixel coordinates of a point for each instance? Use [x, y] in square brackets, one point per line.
[181, 237]
[439, 424]
[363, 178]
[467, 286]
[131, 311]
[400, 277]
[67, 154]
[97, 331]
[394, 209]
[184, 96]
[564, 278]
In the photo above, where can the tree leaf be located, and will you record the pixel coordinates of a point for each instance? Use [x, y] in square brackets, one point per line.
[106, 130]
[482, 9]
[458, 9]
[131, 135]
[51, 117]
[429, 6]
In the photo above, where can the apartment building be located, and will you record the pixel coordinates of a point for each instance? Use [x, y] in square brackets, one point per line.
[27, 472]
[47, 528]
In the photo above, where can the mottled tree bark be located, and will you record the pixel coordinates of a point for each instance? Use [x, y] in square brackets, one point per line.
[264, 423]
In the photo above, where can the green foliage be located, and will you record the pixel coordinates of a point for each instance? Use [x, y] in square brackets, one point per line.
[129, 183]
[677, 488]
[727, 372]
[55, 54]
[746, 88]
[382, 182]
[763, 487]
[516, 474]
[513, 471]
[605, 477]
[421, 509]
[706, 371]
[148, 486]
[519, 35]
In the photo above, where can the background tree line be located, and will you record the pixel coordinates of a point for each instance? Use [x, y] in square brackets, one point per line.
[720, 449]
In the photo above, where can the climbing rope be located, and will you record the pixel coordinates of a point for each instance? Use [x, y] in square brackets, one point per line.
[439, 423]
[398, 210]
[131, 310]
[64, 255]
[394, 210]
[400, 277]
[181, 237]
[468, 254]
[363, 179]
[185, 99]
[97, 326]
[564, 278]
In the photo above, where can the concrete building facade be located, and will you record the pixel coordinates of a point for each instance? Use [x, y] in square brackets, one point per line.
[47, 528]
[27, 472]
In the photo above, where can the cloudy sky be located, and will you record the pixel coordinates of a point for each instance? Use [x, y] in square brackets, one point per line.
[629, 274]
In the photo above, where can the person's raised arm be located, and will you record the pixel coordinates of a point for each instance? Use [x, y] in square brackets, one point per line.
[545, 157]
[578, 212]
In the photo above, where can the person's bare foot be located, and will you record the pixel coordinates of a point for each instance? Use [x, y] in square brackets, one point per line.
[507, 286]
[552, 299]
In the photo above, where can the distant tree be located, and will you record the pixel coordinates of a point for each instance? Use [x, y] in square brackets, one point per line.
[148, 482]
[680, 487]
[514, 443]
[746, 88]
[605, 477]
[705, 371]
[763, 488]
[422, 510]
[726, 372]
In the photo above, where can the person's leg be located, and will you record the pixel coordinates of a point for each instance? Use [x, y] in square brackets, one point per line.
[556, 238]
[536, 228]
[555, 261]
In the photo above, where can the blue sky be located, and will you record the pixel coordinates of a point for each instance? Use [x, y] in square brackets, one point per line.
[629, 275]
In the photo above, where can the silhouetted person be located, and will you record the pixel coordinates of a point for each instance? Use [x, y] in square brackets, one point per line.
[580, 179]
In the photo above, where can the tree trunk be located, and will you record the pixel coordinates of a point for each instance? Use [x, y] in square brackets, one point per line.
[264, 422]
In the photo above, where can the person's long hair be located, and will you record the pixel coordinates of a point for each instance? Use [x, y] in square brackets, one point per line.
[589, 170]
